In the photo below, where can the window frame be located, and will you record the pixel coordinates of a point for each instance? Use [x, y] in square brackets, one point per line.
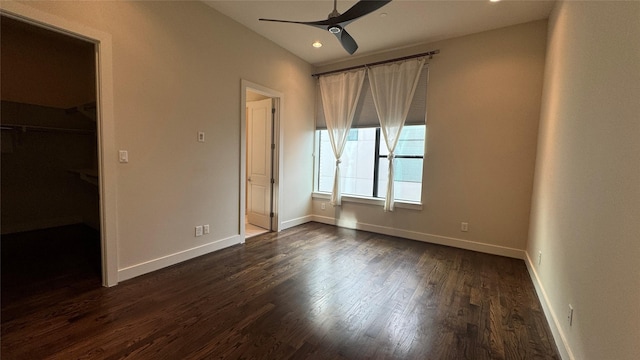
[374, 198]
[378, 156]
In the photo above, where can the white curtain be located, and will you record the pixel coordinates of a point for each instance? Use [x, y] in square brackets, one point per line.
[392, 87]
[340, 93]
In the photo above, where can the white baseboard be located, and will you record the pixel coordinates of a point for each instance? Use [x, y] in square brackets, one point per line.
[558, 335]
[40, 224]
[430, 238]
[159, 263]
[324, 219]
[295, 222]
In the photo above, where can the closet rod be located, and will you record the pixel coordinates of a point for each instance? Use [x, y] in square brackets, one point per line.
[428, 53]
[26, 128]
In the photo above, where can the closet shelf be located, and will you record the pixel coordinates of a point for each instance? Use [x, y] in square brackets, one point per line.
[25, 128]
[88, 110]
[88, 175]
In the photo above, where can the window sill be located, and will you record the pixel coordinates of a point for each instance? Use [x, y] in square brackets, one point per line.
[369, 201]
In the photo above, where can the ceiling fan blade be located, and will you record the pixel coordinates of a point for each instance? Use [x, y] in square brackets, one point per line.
[348, 43]
[361, 8]
[322, 24]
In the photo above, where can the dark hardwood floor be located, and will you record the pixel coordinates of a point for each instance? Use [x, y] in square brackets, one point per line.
[310, 292]
[40, 262]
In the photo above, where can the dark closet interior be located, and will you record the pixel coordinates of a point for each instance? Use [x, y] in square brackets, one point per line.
[49, 166]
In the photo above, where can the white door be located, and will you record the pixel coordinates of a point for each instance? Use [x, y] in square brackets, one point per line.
[259, 128]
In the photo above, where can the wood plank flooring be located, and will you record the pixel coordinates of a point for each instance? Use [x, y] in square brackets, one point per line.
[311, 292]
[49, 260]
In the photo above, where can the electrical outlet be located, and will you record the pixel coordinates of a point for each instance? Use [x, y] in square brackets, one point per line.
[200, 136]
[570, 315]
[323, 206]
[198, 230]
[206, 229]
[539, 257]
[464, 226]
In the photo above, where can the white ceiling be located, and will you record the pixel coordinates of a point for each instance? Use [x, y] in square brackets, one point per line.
[404, 23]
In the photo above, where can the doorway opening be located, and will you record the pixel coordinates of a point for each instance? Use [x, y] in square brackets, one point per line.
[50, 184]
[259, 185]
[260, 158]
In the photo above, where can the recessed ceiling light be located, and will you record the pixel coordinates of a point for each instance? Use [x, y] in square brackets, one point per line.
[317, 44]
[383, 15]
[494, 0]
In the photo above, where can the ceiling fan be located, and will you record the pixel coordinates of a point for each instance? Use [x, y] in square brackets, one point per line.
[336, 22]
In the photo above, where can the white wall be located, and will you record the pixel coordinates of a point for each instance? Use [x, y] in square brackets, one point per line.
[585, 217]
[483, 109]
[177, 70]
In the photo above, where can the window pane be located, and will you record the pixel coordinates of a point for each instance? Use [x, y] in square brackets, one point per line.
[357, 165]
[407, 176]
[326, 163]
[411, 141]
[353, 135]
[356, 169]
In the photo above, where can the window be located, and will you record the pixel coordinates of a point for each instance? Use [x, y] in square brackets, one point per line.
[365, 166]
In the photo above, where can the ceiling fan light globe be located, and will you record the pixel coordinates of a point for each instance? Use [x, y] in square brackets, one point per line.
[334, 29]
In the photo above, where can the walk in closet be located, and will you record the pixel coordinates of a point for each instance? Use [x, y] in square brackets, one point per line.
[49, 167]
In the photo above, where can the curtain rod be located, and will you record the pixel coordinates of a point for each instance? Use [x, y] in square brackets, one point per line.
[429, 54]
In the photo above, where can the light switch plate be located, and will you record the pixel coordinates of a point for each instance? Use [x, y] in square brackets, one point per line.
[123, 156]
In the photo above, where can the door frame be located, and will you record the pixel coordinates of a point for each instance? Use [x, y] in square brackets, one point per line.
[278, 102]
[107, 165]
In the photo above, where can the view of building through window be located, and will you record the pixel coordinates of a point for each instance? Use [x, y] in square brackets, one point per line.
[365, 166]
